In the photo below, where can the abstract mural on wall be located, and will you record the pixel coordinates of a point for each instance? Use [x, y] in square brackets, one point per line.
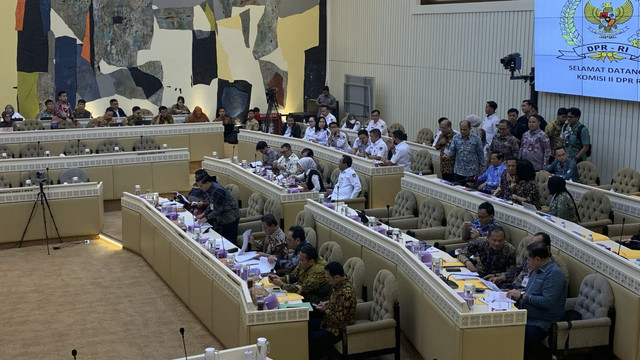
[99, 49]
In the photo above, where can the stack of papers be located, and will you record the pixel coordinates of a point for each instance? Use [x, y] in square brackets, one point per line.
[498, 301]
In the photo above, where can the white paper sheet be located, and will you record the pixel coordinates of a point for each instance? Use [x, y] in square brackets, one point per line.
[245, 241]
[244, 257]
[465, 276]
[265, 265]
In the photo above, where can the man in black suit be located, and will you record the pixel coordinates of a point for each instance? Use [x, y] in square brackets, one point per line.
[292, 129]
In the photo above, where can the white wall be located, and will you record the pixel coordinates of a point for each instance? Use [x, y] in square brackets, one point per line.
[448, 64]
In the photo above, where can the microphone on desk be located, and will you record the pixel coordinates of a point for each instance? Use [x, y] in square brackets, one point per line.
[184, 345]
[38, 148]
[79, 153]
[621, 232]
[255, 161]
[337, 195]
[74, 352]
[233, 151]
[388, 216]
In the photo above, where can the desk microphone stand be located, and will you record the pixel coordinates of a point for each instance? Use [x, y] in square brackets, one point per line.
[42, 197]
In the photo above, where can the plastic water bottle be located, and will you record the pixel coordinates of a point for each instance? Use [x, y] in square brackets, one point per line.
[563, 224]
[420, 173]
[591, 237]
[638, 262]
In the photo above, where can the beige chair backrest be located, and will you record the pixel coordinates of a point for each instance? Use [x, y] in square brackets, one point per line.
[4, 182]
[146, 112]
[29, 125]
[522, 248]
[145, 143]
[395, 126]
[385, 294]
[334, 176]
[235, 192]
[311, 236]
[595, 297]
[455, 219]
[75, 147]
[431, 213]
[32, 150]
[405, 204]
[31, 175]
[626, 181]
[91, 123]
[541, 181]
[68, 174]
[354, 270]
[305, 219]
[255, 207]
[327, 171]
[421, 162]
[364, 186]
[7, 150]
[108, 146]
[272, 206]
[588, 173]
[69, 125]
[594, 205]
[331, 251]
[425, 136]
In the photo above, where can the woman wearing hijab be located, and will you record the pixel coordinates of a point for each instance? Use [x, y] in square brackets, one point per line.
[352, 123]
[476, 128]
[14, 114]
[310, 175]
[562, 204]
[197, 116]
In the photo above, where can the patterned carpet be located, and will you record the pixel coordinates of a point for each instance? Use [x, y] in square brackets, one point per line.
[103, 301]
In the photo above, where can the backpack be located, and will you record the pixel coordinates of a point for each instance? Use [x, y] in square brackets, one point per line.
[579, 135]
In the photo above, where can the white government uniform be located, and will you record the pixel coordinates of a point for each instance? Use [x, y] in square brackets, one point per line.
[341, 142]
[402, 157]
[330, 119]
[380, 125]
[348, 186]
[378, 148]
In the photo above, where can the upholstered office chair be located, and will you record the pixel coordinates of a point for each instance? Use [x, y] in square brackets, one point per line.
[69, 125]
[541, 181]
[595, 303]
[625, 181]
[254, 209]
[235, 192]
[588, 173]
[145, 143]
[404, 207]
[271, 206]
[146, 112]
[395, 126]
[4, 182]
[32, 150]
[331, 251]
[91, 123]
[594, 209]
[67, 176]
[29, 125]
[361, 200]
[311, 236]
[430, 215]
[76, 147]
[616, 230]
[377, 327]
[4, 149]
[449, 237]
[421, 163]
[354, 271]
[305, 219]
[327, 171]
[425, 136]
[109, 146]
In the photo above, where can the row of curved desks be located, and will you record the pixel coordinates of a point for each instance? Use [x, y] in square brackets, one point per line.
[215, 294]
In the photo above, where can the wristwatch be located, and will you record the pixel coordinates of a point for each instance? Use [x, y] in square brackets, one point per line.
[522, 295]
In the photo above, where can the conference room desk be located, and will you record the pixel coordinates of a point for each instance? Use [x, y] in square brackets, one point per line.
[433, 316]
[414, 147]
[383, 181]
[200, 139]
[228, 173]
[77, 210]
[582, 256]
[160, 170]
[622, 205]
[177, 119]
[215, 294]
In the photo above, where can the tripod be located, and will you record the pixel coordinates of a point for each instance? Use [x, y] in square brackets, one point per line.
[42, 197]
[272, 105]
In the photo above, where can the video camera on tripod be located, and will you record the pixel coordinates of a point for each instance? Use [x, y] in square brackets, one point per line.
[40, 178]
[271, 96]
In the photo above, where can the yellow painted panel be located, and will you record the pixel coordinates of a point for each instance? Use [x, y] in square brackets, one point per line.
[28, 94]
[9, 54]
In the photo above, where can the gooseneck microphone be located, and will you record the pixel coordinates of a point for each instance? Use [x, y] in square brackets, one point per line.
[255, 163]
[74, 352]
[388, 215]
[184, 345]
[79, 153]
[38, 148]
[621, 233]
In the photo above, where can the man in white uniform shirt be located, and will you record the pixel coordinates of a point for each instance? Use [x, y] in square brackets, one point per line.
[401, 154]
[361, 143]
[338, 139]
[377, 123]
[378, 147]
[328, 116]
[490, 123]
[348, 186]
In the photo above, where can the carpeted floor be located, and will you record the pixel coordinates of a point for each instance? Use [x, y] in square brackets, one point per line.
[106, 302]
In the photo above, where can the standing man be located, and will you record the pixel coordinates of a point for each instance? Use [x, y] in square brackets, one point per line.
[361, 144]
[288, 162]
[348, 186]
[494, 255]
[222, 213]
[504, 142]
[377, 123]
[292, 129]
[336, 314]
[378, 147]
[251, 123]
[516, 128]
[544, 298]
[269, 155]
[401, 152]
[437, 137]
[328, 116]
[117, 112]
[469, 153]
[490, 122]
[576, 136]
[326, 99]
[535, 144]
[563, 166]
[275, 242]
[554, 129]
[444, 141]
[163, 117]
